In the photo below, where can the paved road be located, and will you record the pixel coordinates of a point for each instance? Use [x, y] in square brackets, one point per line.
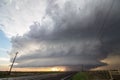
[65, 76]
[53, 76]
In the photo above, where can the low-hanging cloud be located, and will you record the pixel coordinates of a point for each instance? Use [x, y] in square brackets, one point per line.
[68, 35]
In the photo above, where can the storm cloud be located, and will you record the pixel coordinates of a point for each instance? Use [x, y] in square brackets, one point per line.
[72, 33]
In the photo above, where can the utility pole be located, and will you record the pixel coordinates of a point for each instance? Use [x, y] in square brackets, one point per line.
[110, 73]
[12, 63]
[82, 68]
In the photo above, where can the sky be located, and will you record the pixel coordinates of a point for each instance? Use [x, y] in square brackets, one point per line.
[5, 46]
[60, 34]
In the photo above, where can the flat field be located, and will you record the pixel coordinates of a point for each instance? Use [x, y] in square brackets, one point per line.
[4, 74]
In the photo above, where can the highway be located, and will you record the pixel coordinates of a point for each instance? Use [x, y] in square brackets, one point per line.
[53, 76]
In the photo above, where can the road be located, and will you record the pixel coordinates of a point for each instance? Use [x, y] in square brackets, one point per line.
[53, 76]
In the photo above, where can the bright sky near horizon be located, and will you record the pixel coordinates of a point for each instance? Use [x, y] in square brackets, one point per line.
[49, 33]
[15, 19]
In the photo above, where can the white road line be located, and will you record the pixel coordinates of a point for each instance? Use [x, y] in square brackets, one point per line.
[66, 77]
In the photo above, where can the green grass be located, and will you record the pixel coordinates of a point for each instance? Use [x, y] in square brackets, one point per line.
[82, 76]
[91, 75]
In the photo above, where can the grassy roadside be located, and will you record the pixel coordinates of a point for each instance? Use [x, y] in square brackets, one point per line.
[82, 76]
[92, 75]
[3, 74]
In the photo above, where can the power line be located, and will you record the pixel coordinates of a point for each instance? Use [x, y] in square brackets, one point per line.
[102, 29]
